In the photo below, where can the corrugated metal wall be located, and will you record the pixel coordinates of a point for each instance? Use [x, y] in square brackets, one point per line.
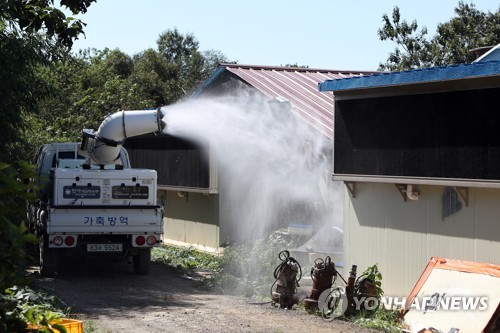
[192, 218]
[380, 227]
[179, 163]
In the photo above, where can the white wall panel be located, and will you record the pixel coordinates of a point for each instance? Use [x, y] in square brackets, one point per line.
[380, 227]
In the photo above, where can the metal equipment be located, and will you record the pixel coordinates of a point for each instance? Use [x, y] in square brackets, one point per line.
[287, 276]
[323, 275]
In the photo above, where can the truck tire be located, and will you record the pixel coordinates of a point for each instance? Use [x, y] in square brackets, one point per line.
[141, 261]
[48, 260]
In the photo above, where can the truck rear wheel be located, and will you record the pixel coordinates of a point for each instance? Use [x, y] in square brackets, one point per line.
[141, 261]
[48, 260]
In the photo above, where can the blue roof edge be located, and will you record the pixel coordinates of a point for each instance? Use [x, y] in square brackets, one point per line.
[210, 79]
[433, 74]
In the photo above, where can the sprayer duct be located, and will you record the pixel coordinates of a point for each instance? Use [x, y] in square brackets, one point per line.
[103, 147]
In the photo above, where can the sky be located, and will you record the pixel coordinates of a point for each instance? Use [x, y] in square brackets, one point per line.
[326, 34]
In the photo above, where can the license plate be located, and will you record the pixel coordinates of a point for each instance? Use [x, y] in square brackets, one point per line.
[104, 247]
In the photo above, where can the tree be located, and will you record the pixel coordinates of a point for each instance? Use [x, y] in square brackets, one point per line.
[20, 88]
[87, 86]
[296, 65]
[470, 29]
[188, 66]
[452, 43]
[24, 46]
[153, 75]
[414, 45]
[40, 16]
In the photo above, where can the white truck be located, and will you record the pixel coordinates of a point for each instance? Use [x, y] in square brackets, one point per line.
[91, 202]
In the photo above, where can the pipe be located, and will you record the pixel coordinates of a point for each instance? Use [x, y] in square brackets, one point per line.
[410, 194]
[103, 147]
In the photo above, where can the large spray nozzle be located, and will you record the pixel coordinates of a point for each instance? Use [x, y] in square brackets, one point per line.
[162, 125]
[103, 147]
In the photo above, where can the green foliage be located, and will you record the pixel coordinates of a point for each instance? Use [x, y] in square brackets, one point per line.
[374, 276]
[248, 269]
[377, 317]
[414, 45]
[13, 231]
[186, 259]
[20, 88]
[470, 29]
[86, 87]
[155, 78]
[381, 319]
[296, 65]
[19, 306]
[32, 33]
[452, 44]
[242, 269]
[36, 16]
[22, 306]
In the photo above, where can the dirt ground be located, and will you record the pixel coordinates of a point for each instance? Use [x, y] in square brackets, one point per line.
[109, 298]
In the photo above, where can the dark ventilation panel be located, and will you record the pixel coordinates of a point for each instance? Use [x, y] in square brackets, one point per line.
[451, 135]
[178, 162]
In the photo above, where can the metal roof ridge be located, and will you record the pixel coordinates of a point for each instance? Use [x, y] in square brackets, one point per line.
[297, 69]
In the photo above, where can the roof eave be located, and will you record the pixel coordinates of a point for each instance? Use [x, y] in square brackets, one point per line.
[457, 77]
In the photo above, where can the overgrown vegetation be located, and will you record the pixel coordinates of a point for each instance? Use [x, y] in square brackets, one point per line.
[381, 319]
[187, 260]
[241, 269]
[13, 230]
[20, 306]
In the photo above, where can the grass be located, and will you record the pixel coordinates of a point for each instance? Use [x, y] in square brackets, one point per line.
[245, 269]
[187, 260]
[380, 319]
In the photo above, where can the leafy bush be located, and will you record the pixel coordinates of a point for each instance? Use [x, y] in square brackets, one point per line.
[186, 259]
[22, 306]
[13, 231]
[19, 305]
[381, 319]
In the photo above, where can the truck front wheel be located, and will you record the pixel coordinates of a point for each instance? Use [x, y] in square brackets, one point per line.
[141, 261]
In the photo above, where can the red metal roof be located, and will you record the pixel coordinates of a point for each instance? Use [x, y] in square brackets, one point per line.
[299, 86]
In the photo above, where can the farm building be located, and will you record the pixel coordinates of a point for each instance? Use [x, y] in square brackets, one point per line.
[200, 206]
[419, 154]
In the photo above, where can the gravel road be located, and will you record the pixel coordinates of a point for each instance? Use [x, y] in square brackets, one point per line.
[109, 298]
